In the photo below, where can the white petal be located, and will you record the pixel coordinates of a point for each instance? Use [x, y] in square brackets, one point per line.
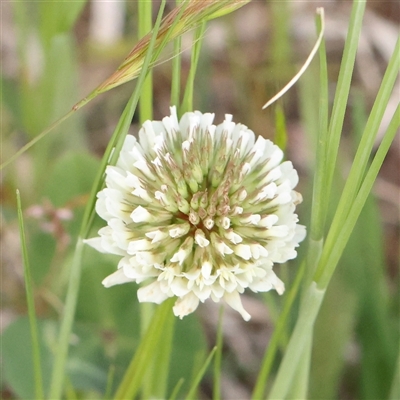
[116, 278]
[179, 230]
[179, 287]
[233, 237]
[95, 243]
[233, 299]
[156, 236]
[140, 214]
[200, 238]
[151, 293]
[243, 251]
[186, 305]
[206, 269]
[278, 285]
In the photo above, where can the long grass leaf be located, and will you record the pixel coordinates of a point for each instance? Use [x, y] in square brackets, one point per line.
[146, 97]
[187, 103]
[176, 389]
[218, 357]
[144, 355]
[361, 158]
[269, 356]
[332, 253]
[37, 369]
[199, 376]
[341, 95]
[302, 331]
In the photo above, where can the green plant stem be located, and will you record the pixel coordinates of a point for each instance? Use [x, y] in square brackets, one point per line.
[341, 96]
[302, 332]
[395, 388]
[361, 158]
[176, 74]
[269, 356]
[187, 103]
[218, 357]
[318, 217]
[143, 357]
[177, 387]
[44, 133]
[66, 325]
[336, 242]
[146, 97]
[199, 376]
[37, 369]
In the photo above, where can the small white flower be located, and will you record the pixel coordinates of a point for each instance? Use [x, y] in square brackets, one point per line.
[201, 211]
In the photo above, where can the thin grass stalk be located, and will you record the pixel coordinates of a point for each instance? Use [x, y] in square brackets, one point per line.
[361, 158]
[36, 139]
[110, 380]
[341, 96]
[36, 359]
[110, 156]
[299, 386]
[176, 389]
[176, 71]
[58, 372]
[161, 362]
[317, 222]
[317, 217]
[196, 382]
[394, 393]
[146, 97]
[270, 353]
[132, 380]
[176, 75]
[218, 357]
[187, 103]
[332, 253]
[302, 332]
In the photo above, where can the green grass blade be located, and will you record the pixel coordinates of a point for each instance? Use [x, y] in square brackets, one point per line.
[218, 358]
[269, 356]
[160, 369]
[361, 158]
[58, 374]
[146, 97]
[302, 331]
[176, 74]
[37, 369]
[145, 353]
[317, 216]
[177, 387]
[187, 103]
[341, 96]
[315, 240]
[196, 382]
[363, 153]
[337, 242]
[110, 380]
[395, 388]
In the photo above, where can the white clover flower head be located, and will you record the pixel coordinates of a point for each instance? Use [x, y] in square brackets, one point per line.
[201, 211]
